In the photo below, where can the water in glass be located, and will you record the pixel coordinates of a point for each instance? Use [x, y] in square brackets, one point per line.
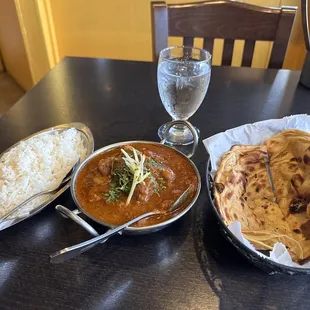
[182, 85]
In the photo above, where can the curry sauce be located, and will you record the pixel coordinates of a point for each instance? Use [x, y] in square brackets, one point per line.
[103, 184]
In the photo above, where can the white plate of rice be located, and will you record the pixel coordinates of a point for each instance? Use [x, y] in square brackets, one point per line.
[38, 163]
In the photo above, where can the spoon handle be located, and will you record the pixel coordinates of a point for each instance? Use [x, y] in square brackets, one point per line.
[75, 250]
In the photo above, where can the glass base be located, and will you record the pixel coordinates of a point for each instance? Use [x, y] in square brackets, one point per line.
[177, 135]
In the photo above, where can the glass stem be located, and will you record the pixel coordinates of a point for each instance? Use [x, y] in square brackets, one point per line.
[179, 128]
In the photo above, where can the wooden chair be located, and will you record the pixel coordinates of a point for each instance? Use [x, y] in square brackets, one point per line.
[229, 20]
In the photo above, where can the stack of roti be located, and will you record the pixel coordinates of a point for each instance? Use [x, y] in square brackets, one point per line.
[271, 207]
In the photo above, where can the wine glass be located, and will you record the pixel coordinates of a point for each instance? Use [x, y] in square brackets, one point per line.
[183, 77]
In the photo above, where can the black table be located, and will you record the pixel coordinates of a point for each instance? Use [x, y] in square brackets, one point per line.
[186, 266]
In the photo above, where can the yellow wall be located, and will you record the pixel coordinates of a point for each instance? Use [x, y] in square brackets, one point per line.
[12, 45]
[100, 28]
[122, 30]
[33, 36]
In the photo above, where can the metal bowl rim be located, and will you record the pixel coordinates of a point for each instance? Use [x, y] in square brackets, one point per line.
[132, 229]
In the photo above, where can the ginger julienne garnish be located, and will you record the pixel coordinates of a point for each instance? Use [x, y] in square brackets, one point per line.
[136, 167]
[127, 177]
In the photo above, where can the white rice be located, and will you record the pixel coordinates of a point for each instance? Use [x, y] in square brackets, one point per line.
[36, 165]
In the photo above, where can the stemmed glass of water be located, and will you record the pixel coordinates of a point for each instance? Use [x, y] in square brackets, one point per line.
[183, 77]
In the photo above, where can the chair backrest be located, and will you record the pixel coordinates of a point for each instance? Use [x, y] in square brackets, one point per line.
[229, 20]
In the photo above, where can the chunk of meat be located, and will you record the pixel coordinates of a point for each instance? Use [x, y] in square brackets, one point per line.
[118, 163]
[168, 174]
[105, 165]
[153, 155]
[144, 191]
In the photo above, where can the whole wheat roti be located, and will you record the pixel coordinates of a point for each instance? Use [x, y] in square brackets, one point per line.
[243, 192]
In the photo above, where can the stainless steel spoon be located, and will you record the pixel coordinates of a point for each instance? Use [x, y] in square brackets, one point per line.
[64, 181]
[75, 250]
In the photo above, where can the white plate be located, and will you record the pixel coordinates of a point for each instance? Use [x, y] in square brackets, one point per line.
[88, 144]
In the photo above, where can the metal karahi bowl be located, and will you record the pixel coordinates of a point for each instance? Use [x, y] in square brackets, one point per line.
[134, 230]
[263, 263]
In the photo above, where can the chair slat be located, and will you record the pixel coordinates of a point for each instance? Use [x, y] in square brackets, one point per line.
[208, 45]
[248, 52]
[160, 27]
[188, 41]
[228, 52]
[282, 37]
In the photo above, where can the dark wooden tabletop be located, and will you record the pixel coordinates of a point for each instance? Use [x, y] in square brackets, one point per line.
[189, 265]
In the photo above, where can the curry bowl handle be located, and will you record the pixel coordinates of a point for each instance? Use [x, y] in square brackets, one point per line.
[68, 213]
[190, 127]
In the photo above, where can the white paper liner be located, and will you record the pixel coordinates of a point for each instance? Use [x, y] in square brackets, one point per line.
[254, 134]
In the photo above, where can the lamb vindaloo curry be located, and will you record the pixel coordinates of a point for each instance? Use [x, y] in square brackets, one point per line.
[104, 184]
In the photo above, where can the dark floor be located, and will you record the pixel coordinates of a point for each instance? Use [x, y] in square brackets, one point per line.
[10, 92]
